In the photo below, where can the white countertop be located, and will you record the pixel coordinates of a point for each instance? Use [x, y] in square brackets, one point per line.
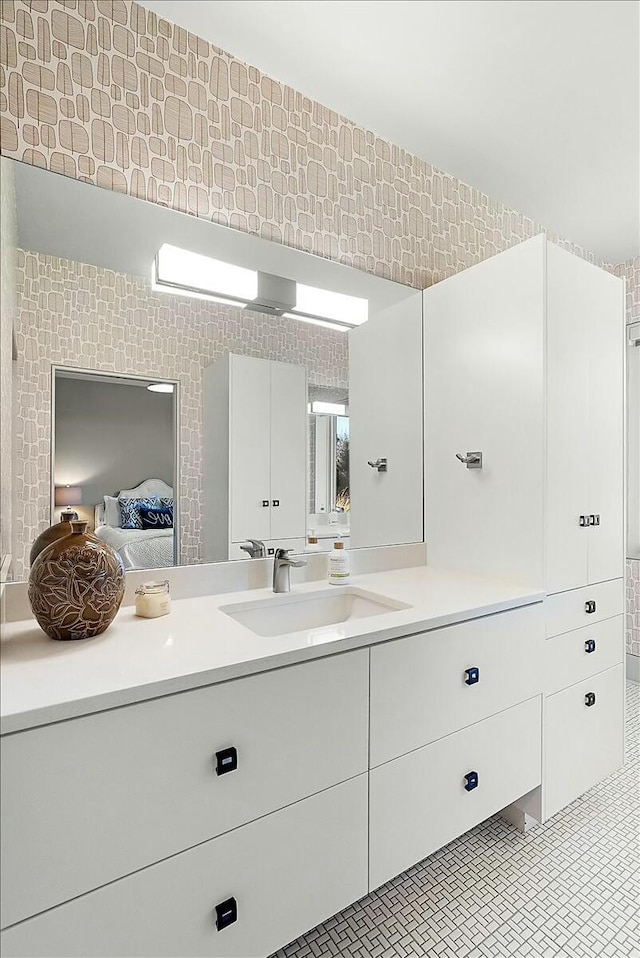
[44, 681]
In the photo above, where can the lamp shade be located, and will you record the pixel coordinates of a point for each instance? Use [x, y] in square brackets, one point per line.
[68, 496]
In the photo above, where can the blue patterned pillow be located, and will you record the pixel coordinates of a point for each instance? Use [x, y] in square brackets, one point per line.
[130, 511]
[156, 517]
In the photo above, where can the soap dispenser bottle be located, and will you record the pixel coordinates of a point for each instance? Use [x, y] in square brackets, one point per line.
[312, 543]
[338, 566]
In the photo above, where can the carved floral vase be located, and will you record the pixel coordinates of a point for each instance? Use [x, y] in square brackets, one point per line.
[56, 531]
[76, 585]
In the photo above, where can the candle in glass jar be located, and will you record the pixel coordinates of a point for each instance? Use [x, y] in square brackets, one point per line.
[153, 599]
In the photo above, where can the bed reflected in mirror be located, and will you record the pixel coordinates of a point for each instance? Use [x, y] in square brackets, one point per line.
[114, 463]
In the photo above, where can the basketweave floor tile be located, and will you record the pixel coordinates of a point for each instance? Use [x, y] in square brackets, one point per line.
[567, 889]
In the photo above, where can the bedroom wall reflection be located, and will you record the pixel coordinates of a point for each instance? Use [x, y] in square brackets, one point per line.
[114, 461]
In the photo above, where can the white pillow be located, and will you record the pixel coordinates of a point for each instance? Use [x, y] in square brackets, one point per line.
[112, 515]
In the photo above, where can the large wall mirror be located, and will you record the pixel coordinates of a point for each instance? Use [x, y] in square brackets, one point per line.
[182, 386]
[633, 440]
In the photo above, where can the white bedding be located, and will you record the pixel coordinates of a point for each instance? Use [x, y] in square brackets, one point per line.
[140, 548]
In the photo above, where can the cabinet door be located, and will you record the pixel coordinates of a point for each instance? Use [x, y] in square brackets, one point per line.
[606, 426]
[249, 440]
[568, 455]
[385, 404]
[288, 450]
[585, 356]
[484, 392]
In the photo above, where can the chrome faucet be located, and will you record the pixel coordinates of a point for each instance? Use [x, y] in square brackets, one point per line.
[255, 548]
[282, 569]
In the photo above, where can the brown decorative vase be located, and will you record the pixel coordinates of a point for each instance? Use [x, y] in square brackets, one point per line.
[56, 531]
[76, 585]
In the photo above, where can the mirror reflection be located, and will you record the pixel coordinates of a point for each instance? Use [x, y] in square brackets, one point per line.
[182, 386]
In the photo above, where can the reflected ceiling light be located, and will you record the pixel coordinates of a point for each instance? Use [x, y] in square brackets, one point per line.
[329, 408]
[325, 304]
[160, 387]
[180, 271]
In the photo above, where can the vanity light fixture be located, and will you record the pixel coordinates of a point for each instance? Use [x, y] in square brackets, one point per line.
[324, 304]
[180, 271]
[185, 273]
[160, 387]
[328, 408]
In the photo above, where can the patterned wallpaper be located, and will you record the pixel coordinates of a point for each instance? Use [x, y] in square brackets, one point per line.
[104, 90]
[77, 315]
[8, 232]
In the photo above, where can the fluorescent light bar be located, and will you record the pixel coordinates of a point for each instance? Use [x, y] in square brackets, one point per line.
[160, 387]
[191, 274]
[325, 304]
[329, 408]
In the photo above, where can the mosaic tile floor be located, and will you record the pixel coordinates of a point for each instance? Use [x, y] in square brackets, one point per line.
[568, 888]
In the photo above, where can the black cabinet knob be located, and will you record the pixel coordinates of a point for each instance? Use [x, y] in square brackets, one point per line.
[265, 503]
[590, 606]
[472, 676]
[226, 760]
[276, 503]
[584, 521]
[226, 913]
[471, 781]
[590, 699]
[590, 645]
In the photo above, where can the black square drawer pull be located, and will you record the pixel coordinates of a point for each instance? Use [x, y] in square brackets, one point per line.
[590, 606]
[265, 503]
[590, 699]
[590, 645]
[226, 760]
[226, 913]
[472, 676]
[276, 503]
[471, 781]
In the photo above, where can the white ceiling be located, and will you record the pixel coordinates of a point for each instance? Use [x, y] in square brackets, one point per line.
[535, 102]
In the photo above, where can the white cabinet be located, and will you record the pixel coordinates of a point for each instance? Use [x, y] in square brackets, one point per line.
[524, 358]
[426, 686]
[584, 737]
[255, 453]
[585, 422]
[385, 409]
[285, 873]
[524, 363]
[424, 799]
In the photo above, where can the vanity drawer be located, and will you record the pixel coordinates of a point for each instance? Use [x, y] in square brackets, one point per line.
[419, 689]
[419, 802]
[566, 611]
[583, 743]
[574, 656]
[287, 872]
[91, 799]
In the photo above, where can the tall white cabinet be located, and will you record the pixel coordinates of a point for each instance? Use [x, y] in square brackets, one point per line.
[255, 455]
[524, 359]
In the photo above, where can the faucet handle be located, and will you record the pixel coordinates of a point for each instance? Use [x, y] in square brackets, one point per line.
[283, 554]
[256, 548]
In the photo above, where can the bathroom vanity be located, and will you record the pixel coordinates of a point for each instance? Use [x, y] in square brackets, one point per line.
[229, 790]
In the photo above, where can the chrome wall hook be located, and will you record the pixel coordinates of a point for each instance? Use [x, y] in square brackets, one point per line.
[472, 460]
[379, 464]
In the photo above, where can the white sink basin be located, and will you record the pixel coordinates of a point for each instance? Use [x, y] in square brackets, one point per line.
[299, 612]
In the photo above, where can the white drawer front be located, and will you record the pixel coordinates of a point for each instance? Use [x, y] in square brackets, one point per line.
[583, 744]
[574, 656]
[569, 610]
[418, 802]
[92, 799]
[287, 872]
[418, 685]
